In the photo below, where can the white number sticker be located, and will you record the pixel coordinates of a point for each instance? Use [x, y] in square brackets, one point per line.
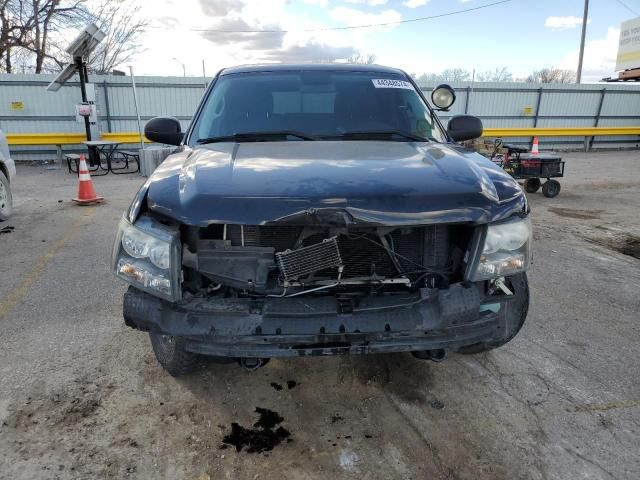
[389, 83]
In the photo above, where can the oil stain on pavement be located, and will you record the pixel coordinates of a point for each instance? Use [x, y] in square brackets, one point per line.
[262, 437]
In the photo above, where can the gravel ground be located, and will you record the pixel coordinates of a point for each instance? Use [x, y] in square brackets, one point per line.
[82, 396]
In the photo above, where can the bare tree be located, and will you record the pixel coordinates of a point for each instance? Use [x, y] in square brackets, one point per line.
[34, 32]
[552, 75]
[455, 75]
[499, 74]
[427, 79]
[124, 26]
[14, 27]
[29, 24]
[50, 16]
[362, 58]
[447, 75]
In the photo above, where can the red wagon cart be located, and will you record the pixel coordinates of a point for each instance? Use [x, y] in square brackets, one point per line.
[532, 168]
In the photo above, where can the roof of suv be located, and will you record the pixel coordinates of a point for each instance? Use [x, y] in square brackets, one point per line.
[280, 67]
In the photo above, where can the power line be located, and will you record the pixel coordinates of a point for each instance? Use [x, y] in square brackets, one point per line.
[353, 27]
[627, 7]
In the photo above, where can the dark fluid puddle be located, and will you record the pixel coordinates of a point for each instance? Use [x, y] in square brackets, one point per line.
[264, 435]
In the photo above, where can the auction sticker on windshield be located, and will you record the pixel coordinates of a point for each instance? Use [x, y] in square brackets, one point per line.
[389, 83]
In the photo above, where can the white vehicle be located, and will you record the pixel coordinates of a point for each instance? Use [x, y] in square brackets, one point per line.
[7, 174]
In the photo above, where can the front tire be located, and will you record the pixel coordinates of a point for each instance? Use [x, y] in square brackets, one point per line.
[515, 312]
[6, 199]
[171, 353]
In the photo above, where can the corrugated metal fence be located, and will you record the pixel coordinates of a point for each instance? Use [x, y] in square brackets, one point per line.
[26, 106]
[522, 105]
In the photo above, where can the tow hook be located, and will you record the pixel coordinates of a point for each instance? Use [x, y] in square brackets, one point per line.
[252, 364]
[499, 282]
[437, 356]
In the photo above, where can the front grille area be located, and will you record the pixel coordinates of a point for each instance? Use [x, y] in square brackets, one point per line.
[363, 253]
[364, 258]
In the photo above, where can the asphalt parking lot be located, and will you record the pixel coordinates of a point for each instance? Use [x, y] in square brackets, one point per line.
[82, 396]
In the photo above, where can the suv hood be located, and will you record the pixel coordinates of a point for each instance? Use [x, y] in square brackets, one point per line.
[331, 183]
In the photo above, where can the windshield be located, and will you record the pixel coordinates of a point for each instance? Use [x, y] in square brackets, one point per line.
[314, 105]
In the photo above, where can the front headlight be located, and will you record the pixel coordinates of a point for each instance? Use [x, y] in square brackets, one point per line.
[147, 255]
[506, 250]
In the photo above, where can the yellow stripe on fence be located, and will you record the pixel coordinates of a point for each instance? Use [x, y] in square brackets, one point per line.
[560, 132]
[68, 138]
[133, 137]
[45, 138]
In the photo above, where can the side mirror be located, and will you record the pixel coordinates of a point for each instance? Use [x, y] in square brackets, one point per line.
[464, 127]
[443, 96]
[164, 130]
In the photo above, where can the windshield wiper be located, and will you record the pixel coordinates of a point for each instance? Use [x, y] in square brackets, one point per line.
[256, 137]
[374, 134]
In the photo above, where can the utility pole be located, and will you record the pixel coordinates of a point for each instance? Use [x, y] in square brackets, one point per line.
[204, 75]
[584, 33]
[135, 104]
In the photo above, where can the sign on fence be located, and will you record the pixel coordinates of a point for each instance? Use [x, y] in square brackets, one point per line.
[629, 46]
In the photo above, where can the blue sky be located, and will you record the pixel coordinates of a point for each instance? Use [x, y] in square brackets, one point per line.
[522, 35]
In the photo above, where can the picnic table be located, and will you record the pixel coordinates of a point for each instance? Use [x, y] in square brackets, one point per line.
[103, 155]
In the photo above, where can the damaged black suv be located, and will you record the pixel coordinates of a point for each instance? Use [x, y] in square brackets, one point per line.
[322, 210]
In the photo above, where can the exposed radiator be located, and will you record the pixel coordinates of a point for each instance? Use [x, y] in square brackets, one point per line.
[300, 263]
[361, 253]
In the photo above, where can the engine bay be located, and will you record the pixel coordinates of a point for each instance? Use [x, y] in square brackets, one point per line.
[290, 261]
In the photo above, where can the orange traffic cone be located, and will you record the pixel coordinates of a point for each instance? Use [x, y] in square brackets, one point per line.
[86, 192]
[534, 147]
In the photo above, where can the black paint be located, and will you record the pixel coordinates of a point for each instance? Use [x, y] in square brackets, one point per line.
[276, 386]
[291, 384]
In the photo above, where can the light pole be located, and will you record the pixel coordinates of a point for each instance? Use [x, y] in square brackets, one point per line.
[135, 103]
[184, 70]
[584, 33]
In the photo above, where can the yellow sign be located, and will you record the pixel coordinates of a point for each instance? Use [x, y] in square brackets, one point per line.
[528, 110]
[17, 106]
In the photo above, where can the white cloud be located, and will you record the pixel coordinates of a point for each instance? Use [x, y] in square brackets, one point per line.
[353, 17]
[562, 23]
[310, 52]
[414, 3]
[599, 57]
[201, 25]
[319, 3]
[373, 3]
[219, 8]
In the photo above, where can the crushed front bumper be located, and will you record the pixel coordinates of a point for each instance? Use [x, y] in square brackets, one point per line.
[301, 326]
